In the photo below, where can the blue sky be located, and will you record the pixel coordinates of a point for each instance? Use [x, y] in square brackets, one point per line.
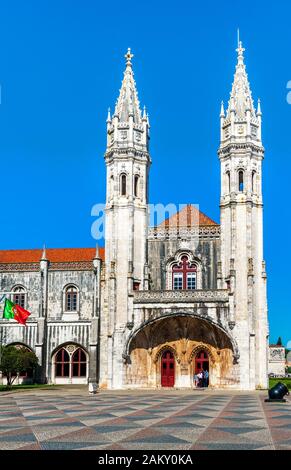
[61, 65]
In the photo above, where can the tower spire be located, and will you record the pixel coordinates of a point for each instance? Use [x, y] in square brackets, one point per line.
[128, 102]
[241, 95]
[242, 120]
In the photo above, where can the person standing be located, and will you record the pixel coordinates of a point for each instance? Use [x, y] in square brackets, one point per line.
[205, 378]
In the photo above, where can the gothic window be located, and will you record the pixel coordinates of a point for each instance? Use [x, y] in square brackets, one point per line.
[184, 275]
[240, 180]
[70, 361]
[19, 296]
[79, 363]
[123, 185]
[62, 363]
[136, 185]
[71, 299]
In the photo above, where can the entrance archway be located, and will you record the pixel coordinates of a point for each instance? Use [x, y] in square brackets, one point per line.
[184, 336]
[167, 369]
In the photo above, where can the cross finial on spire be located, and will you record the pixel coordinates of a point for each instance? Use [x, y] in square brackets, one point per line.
[128, 56]
[240, 49]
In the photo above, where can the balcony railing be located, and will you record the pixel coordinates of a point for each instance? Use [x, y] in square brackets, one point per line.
[190, 296]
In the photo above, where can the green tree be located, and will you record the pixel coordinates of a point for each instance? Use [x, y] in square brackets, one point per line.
[279, 342]
[14, 360]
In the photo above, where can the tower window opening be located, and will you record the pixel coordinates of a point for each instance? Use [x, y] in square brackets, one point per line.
[123, 185]
[240, 180]
[253, 181]
[136, 184]
[228, 180]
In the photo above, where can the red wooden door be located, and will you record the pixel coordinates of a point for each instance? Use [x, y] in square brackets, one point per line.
[201, 362]
[168, 369]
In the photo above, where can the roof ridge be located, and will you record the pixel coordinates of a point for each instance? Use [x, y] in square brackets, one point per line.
[186, 209]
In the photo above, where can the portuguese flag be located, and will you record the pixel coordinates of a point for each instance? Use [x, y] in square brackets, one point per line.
[14, 311]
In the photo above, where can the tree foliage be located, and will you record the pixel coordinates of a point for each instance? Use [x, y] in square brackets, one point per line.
[14, 360]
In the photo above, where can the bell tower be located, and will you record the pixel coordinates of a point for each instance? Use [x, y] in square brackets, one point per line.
[126, 221]
[243, 268]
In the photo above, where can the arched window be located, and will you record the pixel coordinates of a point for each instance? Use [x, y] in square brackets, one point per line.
[62, 363]
[123, 185]
[184, 275]
[79, 363]
[71, 299]
[70, 362]
[19, 297]
[136, 185]
[253, 181]
[240, 180]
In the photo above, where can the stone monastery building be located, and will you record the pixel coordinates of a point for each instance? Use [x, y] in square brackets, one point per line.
[160, 303]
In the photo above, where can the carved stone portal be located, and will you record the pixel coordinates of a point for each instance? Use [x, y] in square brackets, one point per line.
[183, 337]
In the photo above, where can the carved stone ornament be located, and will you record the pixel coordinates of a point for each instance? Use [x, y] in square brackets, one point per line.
[123, 135]
[231, 325]
[277, 353]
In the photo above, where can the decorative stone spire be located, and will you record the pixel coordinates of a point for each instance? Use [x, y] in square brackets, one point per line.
[222, 114]
[97, 259]
[43, 256]
[259, 112]
[108, 116]
[44, 262]
[128, 127]
[242, 123]
[241, 96]
[128, 102]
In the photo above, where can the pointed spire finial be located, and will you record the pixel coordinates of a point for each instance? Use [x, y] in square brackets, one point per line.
[43, 256]
[97, 251]
[259, 111]
[240, 50]
[144, 115]
[222, 114]
[128, 103]
[128, 57]
[108, 116]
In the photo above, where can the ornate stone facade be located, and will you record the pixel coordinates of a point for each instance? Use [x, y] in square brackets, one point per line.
[277, 360]
[163, 302]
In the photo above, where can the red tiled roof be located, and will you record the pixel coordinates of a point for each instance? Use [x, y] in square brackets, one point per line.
[55, 255]
[188, 216]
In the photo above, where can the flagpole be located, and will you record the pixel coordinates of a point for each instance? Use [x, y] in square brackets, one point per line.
[1, 329]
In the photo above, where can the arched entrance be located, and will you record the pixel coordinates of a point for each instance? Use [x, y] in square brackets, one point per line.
[167, 369]
[148, 365]
[201, 363]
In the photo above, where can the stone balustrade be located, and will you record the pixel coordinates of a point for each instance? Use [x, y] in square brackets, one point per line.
[187, 296]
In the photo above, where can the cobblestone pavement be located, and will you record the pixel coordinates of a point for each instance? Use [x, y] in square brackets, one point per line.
[172, 420]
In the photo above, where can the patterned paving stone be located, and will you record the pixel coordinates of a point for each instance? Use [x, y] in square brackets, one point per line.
[144, 421]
